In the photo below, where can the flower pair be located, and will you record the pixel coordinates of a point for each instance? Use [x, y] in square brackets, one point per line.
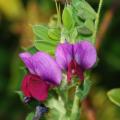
[45, 72]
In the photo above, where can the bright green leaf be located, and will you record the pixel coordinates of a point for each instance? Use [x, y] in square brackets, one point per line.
[67, 17]
[47, 46]
[90, 25]
[78, 21]
[87, 28]
[114, 96]
[70, 36]
[30, 116]
[84, 30]
[84, 10]
[73, 35]
[44, 42]
[64, 34]
[40, 31]
[54, 33]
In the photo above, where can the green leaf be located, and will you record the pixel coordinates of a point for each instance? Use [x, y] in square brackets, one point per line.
[84, 10]
[114, 96]
[54, 33]
[20, 95]
[73, 34]
[67, 17]
[44, 42]
[47, 46]
[78, 21]
[64, 35]
[84, 30]
[30, 116]
[70, 36]
[40, 31]
[87, 28]
[90, 25]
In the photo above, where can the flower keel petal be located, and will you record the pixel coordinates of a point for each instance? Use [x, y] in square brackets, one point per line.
[38, 89]
[33, 86]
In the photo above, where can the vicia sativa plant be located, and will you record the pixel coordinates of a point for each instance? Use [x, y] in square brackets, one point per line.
[58, 66]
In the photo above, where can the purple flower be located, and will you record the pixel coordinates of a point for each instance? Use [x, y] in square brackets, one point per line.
[76, 58]
[43, 73]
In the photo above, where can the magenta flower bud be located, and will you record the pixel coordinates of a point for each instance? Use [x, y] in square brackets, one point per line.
[76, 58]
[43, 73]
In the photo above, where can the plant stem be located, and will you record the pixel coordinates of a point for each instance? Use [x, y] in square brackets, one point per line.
[97, 20]
[76, 108]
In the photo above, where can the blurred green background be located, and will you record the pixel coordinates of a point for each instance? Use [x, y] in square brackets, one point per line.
[16, 18]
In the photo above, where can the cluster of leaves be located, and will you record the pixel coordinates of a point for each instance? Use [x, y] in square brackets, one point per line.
[76, 23]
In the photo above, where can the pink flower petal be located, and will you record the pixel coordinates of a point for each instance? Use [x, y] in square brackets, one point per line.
[33, 86]
[26, 58]
[25, 85]
[46, 67]
[85, 54]
[64, 55]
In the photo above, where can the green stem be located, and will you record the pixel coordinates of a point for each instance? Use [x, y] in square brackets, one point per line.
[75, 113]
[97, 20]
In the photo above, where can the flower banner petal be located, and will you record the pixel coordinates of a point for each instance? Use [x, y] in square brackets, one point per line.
[64, 55]
[85, 54]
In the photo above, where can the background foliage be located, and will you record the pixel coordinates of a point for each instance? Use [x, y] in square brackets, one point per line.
[16, 18]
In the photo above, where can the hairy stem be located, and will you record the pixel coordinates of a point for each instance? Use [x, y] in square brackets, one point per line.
[76, 108]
